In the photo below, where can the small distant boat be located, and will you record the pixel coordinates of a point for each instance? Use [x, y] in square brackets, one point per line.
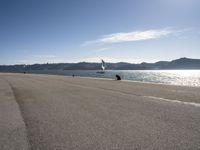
[103, 67]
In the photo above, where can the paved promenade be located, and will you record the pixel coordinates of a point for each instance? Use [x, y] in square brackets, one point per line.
[47, 112]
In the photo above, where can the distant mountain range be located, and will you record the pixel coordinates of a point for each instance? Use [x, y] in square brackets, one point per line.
[182, 63]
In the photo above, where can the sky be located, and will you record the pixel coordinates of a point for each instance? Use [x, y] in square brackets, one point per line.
[135, 31]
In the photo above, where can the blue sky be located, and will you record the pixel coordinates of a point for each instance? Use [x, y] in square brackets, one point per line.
[40, 31]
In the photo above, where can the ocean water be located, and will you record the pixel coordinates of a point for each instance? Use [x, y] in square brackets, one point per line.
[172, 77]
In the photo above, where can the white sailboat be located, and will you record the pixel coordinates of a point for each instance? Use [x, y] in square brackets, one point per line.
[103, 66]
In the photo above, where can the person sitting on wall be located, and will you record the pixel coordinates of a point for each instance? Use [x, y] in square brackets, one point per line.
[118, 77]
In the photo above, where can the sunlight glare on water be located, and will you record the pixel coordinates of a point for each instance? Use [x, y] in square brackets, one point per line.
[173, 77]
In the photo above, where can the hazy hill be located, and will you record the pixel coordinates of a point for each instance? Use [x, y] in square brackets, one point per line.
[182, 63]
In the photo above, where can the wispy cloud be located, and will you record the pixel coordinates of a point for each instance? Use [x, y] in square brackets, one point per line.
[130, 36]
[102, 49]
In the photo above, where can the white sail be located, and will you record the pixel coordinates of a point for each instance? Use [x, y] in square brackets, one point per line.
[103, 65]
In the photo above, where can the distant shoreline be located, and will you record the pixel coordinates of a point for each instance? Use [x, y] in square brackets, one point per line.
[178, 64]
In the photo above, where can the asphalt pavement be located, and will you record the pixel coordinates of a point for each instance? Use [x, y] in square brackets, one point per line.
[47, 112]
